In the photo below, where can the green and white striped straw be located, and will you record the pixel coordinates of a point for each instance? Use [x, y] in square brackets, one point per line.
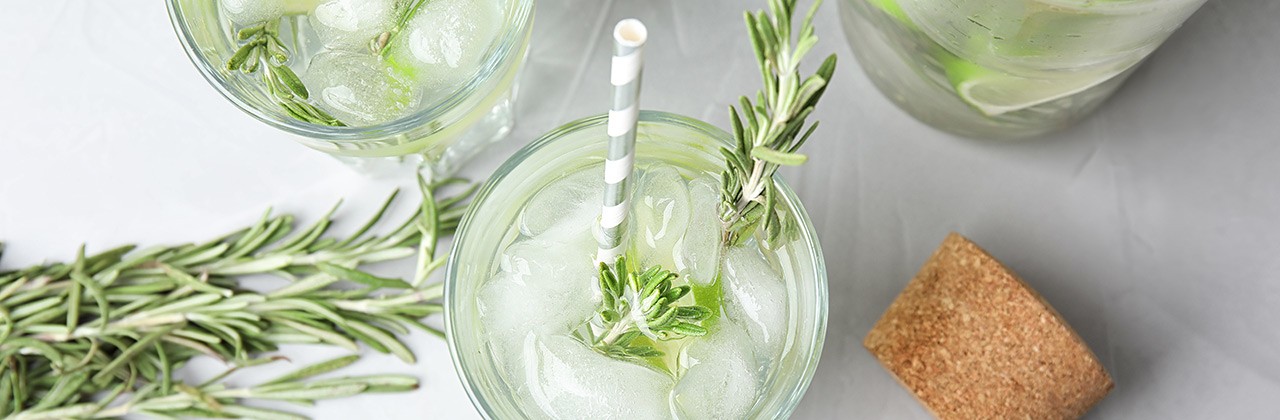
[628, 45]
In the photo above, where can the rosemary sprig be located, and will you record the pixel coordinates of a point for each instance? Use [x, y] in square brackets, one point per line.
[215, 399]
[125, 319]
[379, 44]
[640, 303]
[769, 131]
[263, 52]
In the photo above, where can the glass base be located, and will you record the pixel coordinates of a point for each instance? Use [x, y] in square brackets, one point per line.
[493, 128]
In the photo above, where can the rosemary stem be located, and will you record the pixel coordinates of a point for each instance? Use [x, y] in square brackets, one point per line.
[751, 191]
[127, 323]
[114, 412]
[617, 331]
[384, 39]
[295, 33]
[755, 185]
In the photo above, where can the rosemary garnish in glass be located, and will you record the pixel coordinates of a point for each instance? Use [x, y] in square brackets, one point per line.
[769, 131]
[379, 44]
[263, 52]
[642, 303]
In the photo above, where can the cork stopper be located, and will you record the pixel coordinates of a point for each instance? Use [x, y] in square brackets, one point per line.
[972, 341]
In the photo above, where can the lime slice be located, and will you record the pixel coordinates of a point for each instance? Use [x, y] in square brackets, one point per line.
[995, 93]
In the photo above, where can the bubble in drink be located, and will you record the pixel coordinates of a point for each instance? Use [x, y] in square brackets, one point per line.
[569, 380]
[698, 251]
[446, 41]
[660, 203]
[721, 380]
[352, 24]
[359, 89]
[755, 294]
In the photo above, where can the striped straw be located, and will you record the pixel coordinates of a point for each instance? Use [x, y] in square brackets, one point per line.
[628, 44]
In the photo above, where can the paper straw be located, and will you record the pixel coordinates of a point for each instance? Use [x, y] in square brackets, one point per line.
[628, 45]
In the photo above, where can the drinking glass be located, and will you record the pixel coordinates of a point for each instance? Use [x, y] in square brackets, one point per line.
[451, 126]
[1005, 68]
[683, 143]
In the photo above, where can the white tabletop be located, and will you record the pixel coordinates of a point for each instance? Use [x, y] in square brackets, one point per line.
[1152, 225]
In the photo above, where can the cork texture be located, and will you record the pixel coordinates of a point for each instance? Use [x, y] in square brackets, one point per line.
[972, 341]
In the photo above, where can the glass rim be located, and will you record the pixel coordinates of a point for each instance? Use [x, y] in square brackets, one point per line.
[808, 234]
[509, 46]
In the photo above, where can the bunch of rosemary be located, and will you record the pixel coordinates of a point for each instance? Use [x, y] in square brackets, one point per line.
[122, 321]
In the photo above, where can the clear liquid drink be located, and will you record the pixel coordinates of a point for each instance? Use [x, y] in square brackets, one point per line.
[388, 79]
[522, 284]
[1005, 68]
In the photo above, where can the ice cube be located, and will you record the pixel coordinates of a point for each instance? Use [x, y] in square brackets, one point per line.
[568, 380]
[447, 40]
[510, 312]
[252, 12]
[660, 209]
[756, 296]
[560, 266]
[567, 206]
[359, 89]
[721, 378]
[542, 288]
[698, 251]
[506, 318]
[352, 24]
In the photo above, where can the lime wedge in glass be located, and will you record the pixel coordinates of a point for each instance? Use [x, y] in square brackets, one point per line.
[995, 93]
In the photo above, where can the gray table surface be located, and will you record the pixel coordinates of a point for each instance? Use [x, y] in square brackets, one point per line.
[1152, 225]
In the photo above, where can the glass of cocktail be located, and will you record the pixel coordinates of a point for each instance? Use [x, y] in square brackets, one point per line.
[372, 82]
[521, 285]
[1005, 68]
